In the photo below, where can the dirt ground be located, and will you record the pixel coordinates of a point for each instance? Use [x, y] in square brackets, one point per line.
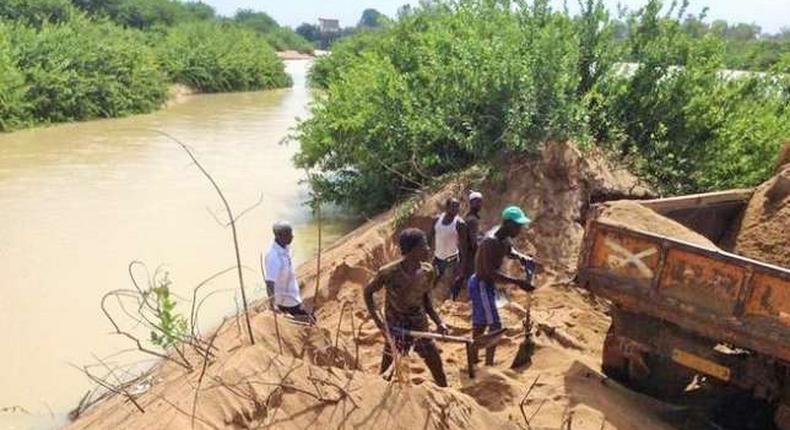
[326, 376]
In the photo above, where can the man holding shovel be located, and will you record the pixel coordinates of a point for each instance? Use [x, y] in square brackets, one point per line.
[407, 303]
[491, 253]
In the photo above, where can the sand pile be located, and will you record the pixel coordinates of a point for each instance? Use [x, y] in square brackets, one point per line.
[254, 387]
[555, 189]
[763, 233]
[635, 216]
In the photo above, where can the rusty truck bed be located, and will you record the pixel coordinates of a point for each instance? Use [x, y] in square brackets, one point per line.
[716, 294]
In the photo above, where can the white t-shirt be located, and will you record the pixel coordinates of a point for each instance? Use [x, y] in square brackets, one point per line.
[446, 238]
[280, 270]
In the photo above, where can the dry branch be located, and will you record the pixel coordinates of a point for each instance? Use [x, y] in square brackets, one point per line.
[231, 218]
[524, 401]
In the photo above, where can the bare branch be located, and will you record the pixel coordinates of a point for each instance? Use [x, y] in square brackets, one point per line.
[230, 217]
[193, 313]
[132, 337]
[251, 207]
[524, 401]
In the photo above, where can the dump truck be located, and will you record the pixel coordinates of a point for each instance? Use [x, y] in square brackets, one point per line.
[680, 310]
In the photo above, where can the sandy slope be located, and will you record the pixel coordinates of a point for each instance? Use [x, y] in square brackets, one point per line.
[315, 384]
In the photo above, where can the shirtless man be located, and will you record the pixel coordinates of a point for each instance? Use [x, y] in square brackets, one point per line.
[468, 242]
[407, 303]
[492, 251]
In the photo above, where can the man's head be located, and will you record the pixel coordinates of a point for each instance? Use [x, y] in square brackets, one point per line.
[513, 220]
[413, 244]
[452, 207]
[283, 233]
[475, 201]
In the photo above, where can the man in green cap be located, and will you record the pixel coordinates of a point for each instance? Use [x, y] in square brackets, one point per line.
[495, 246]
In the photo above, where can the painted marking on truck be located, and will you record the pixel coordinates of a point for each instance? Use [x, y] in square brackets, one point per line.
[625, 257]
[701, 364]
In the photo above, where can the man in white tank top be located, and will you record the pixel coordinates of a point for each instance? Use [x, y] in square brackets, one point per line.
[445, 234]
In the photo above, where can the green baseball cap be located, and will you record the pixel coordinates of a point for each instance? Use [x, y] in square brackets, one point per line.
[515, 214]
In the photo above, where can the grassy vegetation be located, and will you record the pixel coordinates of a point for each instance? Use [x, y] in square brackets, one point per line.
[455, 83]
[218, 57]
[106, 58]
[74, 71]
[281, 38]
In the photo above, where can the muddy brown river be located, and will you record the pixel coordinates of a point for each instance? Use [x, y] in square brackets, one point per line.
[78, 202]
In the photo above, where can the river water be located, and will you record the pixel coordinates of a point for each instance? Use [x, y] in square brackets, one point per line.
[78, 202]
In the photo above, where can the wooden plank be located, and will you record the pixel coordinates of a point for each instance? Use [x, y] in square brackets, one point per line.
[437, 336]
[698, 200]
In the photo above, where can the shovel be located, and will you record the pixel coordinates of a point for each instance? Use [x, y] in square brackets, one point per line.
[527, 346]
[472, 345]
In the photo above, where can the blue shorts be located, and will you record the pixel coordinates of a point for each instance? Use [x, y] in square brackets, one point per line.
[483, 297]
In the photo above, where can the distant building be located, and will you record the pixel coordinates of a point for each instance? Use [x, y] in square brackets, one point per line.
[330, 30]
[329, 26]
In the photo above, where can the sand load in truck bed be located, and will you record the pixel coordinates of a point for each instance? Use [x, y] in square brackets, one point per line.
[763, 234]
[635, 216]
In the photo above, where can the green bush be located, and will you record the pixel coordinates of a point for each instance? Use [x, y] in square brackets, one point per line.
[448, 85]
[13, 106]
[217, 57]
[689, 125]
[458, 82]
[280, 38]
[82, 69]
[145, 14]
[36, 12]
[283, 39]
[345, 51]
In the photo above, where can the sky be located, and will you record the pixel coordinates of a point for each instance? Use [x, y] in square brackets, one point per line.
[771, 15]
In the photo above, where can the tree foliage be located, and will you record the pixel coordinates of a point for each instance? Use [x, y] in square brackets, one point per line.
[281, 38]
[459, 82]
[371, 18]
[79, 70]
[144, 14]
[61, 63]
[215, 57]
[36, 12]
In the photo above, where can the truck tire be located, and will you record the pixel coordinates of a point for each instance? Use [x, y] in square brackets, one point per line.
[614, 363]
[645, 372]
[664, 378]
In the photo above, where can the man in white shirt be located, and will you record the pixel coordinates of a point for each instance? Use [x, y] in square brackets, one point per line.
[280, 275]
[444, 235]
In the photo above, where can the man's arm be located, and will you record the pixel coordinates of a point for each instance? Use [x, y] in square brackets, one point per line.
[472, 230]
[498, 275]
[375, 285]
[432, 234]
[429, 309]
[463, 247]
[271, 268]
[527, 262]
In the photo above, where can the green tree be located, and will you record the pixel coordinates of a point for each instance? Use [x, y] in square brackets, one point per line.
[371, 18]
[216, 57]
[281, 38]
[310, 32]
[13, 106]
[36, 12]
[85, 69]
[447, 85]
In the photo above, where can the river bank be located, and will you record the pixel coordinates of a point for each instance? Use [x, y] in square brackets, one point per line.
[326, 376]
[82, 200]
